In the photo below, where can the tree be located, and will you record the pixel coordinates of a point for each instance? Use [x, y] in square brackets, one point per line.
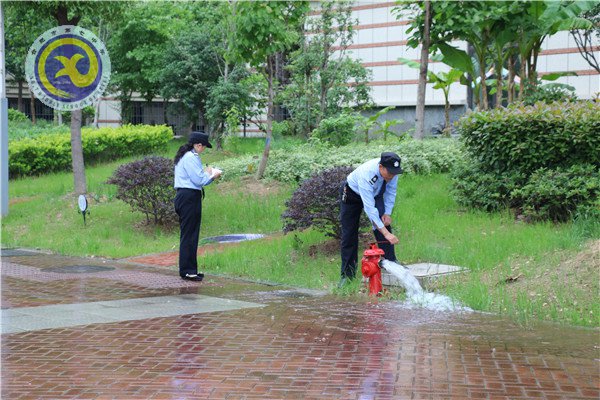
[229, 97]
[138, 46]
[495, 30]
[227, 94]
[262, 29]
[477, 23]
[540, 19]
[441, 80]
[70, 13]
[422, 15]
[420, 111]
[189, 72]
[22, 26]
[584, 38]
[324, 80]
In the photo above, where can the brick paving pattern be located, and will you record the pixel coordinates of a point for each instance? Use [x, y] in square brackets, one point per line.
[299, 346]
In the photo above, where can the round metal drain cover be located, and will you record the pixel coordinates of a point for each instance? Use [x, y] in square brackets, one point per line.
[233, 238]
[79, 269]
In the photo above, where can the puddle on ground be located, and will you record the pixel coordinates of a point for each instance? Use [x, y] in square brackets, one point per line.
[235, 238]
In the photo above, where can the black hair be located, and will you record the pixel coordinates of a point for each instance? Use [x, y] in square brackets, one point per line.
[182, 150]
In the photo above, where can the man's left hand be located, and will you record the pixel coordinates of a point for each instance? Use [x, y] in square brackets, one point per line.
[386, 219]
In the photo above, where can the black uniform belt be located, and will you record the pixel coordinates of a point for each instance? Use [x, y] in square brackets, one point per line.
[202, 191]
[350, 190]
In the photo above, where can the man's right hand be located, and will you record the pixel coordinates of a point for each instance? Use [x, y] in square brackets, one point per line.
[391, 238]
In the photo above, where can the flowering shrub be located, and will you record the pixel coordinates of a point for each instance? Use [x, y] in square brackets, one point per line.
[419, 157]
[147, 186]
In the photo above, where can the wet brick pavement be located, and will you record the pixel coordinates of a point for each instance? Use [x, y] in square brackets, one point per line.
[297, 345]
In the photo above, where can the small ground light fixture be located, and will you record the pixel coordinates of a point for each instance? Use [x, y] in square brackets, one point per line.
[83, 206]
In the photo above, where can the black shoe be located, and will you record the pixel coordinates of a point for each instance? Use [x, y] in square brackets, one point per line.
[193, 277]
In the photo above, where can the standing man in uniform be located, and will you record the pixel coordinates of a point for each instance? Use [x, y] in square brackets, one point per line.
[372, 187]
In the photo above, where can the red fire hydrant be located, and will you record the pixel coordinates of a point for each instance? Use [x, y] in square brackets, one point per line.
[371, 269]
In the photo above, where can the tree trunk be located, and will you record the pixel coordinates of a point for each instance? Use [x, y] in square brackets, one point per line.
[32, 106]
[484, 93]
[472, 101]
[532, 75]
[263, 162]
[447, 128]
[523, 79]
[97, 114]
[61, 14]
[499, 84]
[420, 110]
[511, 79]
[20, 97]
[77, 153]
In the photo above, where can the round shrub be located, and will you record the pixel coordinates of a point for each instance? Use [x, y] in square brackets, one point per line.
[282, 128]
[549, 93]
[337, 131]
[556, 194]
[147, 186]
[486, 191]
[316, 204]
[16, 116]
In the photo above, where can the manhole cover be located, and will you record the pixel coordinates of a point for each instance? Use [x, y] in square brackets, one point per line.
[17, 253]
[232, 238]
[79, 269]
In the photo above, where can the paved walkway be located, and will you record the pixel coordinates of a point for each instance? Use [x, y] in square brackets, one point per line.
[77, 328]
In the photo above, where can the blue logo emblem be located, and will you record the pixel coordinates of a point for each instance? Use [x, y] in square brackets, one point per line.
[68, 68]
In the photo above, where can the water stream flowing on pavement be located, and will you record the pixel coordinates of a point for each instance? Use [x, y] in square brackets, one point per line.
[415, 293]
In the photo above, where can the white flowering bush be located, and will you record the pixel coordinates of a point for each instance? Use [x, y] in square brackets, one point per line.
[418, 157]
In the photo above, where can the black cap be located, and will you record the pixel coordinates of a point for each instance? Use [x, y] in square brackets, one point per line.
[391, 161]
[200, 137]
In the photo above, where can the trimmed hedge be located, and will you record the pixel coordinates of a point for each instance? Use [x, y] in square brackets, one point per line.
[523, 139]
[542, 161]
[49, 153]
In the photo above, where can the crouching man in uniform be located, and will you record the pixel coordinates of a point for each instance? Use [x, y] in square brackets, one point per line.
[372, 187]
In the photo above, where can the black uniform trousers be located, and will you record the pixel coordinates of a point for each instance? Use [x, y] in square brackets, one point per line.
[188, 206]
[351, 208]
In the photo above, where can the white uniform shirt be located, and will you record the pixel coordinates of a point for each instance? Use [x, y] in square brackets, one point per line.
[189, 173]
[367, 182]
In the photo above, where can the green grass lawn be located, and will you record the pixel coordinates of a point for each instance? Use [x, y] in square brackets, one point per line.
[431, 227]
